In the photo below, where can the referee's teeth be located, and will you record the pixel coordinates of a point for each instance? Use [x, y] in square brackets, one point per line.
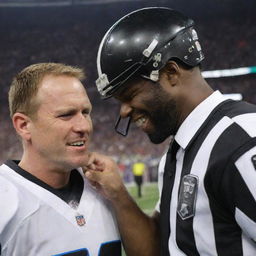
[140, 121]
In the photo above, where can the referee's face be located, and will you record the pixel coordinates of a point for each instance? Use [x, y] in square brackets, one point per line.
[60, 132]
[150, 107]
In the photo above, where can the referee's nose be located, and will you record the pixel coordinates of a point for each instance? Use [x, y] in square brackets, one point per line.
[125, 110]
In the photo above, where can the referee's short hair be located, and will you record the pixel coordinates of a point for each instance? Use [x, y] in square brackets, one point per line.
[25, 85]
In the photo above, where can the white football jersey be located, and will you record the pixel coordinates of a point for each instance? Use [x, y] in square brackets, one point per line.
[36, 222]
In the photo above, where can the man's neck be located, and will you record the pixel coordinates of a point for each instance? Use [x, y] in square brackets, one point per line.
[54, 176]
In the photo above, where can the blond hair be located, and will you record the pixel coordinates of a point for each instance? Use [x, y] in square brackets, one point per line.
[25, 85]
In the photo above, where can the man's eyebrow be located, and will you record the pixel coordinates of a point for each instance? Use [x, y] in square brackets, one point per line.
[71, 109]
[88, 108]
[63, 110]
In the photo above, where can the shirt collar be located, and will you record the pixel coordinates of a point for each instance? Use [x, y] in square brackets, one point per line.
[196, 118]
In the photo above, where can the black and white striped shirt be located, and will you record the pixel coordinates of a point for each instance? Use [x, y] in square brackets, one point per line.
[213, 203]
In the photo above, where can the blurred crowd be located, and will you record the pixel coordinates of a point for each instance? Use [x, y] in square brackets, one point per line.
[72, 36]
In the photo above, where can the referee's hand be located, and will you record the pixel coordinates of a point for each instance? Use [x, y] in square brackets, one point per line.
[104, 175]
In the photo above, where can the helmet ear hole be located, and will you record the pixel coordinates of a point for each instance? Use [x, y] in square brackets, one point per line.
[182, 64]
[141, 43]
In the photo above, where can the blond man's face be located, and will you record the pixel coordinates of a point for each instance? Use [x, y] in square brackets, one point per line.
[61, 130]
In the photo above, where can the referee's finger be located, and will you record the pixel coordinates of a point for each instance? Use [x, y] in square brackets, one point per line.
[92, 175]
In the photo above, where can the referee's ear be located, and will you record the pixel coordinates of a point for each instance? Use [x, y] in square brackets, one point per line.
[21, 124]
[172, 72]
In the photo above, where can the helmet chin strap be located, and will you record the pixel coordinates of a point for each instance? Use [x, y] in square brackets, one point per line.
[122, 125]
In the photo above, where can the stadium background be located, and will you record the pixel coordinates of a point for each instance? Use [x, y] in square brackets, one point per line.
[70, 31]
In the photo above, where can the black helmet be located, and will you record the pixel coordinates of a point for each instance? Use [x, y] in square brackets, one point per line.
[141, 43]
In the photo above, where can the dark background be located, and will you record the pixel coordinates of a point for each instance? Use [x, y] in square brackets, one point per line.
[70, 32]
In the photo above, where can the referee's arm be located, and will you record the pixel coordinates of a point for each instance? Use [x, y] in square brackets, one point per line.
[239, 191]
[139, 232]
[245, 196]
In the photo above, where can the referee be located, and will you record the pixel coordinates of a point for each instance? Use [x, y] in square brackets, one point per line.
[150, 61]
[138, 169]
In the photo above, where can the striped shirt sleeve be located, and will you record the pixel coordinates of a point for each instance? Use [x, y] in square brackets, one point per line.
[245, 192]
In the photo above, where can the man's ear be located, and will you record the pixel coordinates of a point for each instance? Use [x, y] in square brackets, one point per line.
[172, 72]
[21, 123]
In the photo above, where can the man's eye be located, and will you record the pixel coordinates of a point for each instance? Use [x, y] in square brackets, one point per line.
[65, 115]
[86, 112]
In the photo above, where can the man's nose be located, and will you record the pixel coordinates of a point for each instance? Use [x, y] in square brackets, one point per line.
[125, 110]
[83, 123]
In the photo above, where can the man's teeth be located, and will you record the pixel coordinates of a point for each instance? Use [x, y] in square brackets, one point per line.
[78, 143]
[140, 121]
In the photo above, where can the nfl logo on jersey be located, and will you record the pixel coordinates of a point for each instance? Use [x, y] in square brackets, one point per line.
[80, 220]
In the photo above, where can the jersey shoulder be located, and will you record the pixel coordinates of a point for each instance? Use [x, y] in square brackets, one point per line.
[9, 201]
[17, 203]
[244, 115]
